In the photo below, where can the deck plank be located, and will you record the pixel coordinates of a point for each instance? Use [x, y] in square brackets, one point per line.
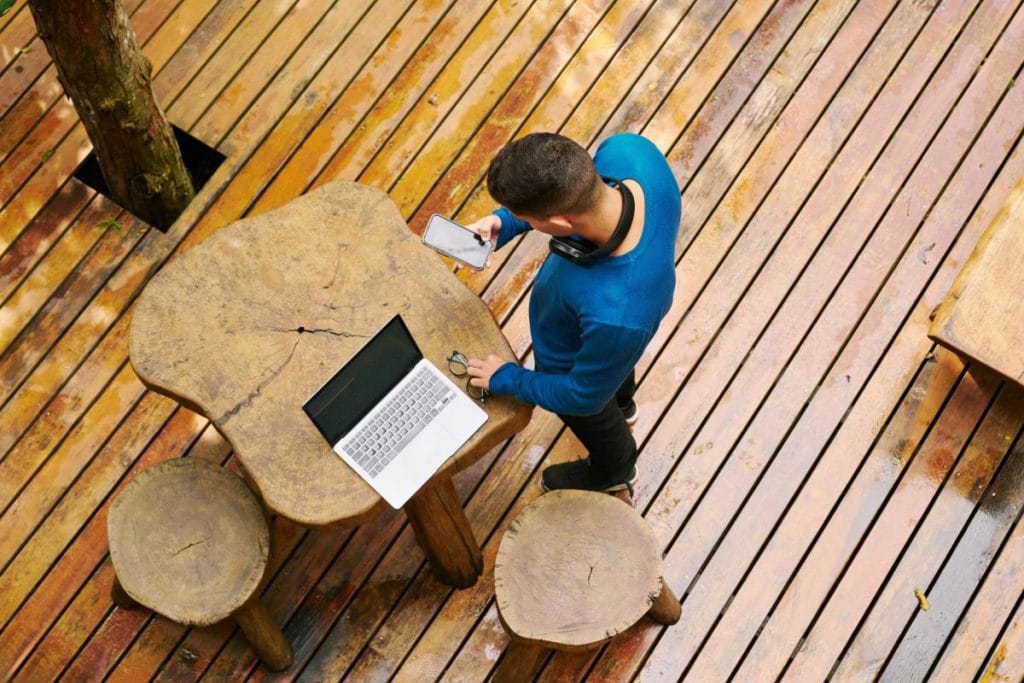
[835, 392]
[58, 142]
[173, 62]
[456, 618]
[26, 92]
[979, 626]
[807, 456]
[1006, 658]
[354, 136]
[923, 638]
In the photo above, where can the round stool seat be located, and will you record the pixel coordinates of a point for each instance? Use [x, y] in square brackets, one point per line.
[189, 540]
[574, 569]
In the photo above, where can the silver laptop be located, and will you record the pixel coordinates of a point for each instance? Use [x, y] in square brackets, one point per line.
[392, 415]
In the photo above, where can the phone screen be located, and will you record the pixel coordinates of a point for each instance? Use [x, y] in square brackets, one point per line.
[462, 244]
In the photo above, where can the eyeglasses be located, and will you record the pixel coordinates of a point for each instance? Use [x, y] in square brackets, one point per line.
[458, 365]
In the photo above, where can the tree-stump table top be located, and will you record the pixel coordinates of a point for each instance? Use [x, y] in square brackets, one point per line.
[188, 540]
[574, 569]
[248, 324]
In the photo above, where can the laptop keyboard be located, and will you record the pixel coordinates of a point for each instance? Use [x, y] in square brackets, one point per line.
[397, 421]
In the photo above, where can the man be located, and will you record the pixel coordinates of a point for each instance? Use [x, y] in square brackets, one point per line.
[598, 298]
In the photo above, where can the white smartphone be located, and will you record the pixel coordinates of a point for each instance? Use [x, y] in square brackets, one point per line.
[453, 240]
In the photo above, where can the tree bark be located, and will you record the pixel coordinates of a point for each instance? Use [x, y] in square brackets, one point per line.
[108, 79]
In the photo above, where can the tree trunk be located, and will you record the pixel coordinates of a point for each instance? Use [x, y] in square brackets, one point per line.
[108, 79]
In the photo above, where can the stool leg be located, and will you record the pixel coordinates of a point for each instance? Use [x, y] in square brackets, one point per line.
[263, 634]
[521, 662]
[666, 608]
[442, 530]
[120, 597]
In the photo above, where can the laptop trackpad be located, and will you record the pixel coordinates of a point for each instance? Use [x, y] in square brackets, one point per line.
[419, 460]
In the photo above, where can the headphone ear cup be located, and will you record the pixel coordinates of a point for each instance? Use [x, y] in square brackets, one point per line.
[569, 250]
[585, 253]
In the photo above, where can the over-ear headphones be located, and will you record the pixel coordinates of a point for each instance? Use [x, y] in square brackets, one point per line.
[583, 252]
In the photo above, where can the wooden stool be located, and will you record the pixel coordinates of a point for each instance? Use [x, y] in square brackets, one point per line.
[574, 569]
[190, 541]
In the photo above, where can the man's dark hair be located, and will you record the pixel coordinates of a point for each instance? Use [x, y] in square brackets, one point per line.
[543, 174]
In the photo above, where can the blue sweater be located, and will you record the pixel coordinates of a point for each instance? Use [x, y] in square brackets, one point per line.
[590, 325]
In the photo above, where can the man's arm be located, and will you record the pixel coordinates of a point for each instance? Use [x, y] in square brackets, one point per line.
[604, 361]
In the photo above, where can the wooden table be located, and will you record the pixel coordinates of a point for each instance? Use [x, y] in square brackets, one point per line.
[245, 326]
[982, 317]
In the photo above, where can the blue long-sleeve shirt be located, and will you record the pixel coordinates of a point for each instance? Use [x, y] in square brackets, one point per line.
[591, 324]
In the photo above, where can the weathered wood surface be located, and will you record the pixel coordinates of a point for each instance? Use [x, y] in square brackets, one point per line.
[188, 540]
[574, 569]
[800, 446]
[293, 294]
[981, 317]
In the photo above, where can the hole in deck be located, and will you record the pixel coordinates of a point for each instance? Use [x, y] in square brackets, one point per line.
[201, 160]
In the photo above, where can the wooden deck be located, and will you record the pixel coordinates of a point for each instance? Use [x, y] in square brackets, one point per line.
[808, 458]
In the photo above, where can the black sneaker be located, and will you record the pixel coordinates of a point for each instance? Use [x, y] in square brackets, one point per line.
[631, 412]
[578, 474]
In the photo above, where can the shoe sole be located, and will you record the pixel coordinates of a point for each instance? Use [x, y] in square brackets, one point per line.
[629, 485]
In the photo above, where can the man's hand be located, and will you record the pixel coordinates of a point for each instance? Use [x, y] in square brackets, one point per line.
[481, 371]
[488, 228]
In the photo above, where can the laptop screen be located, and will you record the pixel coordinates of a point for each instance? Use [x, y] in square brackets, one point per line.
[362, 382]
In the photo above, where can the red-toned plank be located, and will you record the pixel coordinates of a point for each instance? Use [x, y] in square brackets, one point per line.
[52, 595]
[243, 64]
[978, 629]
[683, 482]
[174, 62]
[24, 459]
[897, 604]
[919, 645]
[65, 258]
[20, 109]
[910, 491]
[438, 641]
[838, 390]
[799, 604]
[444, 46]
[62, 526]
[61, 211]
[16, 31]
[329, 56]
[26, 507]
[1006, 661]
[456, 164]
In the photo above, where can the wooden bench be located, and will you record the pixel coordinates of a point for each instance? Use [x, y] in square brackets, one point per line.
[574, 569]
[190, 541]
[982, 317]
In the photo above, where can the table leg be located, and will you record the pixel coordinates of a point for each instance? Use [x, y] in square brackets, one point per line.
[443, 532]
[120, 597]
[263, 634]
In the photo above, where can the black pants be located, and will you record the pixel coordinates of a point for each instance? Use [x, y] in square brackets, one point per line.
[606, 435]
